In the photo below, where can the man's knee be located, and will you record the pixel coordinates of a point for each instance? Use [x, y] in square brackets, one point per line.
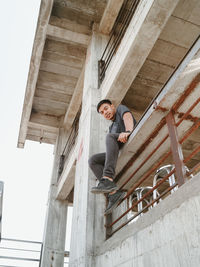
[110, 136]
[91, 160]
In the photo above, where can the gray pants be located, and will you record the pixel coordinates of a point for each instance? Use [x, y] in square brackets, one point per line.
[104, 164]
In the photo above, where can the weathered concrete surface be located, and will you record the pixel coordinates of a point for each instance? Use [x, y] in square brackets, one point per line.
[143, 31]
[45, 10]
[56, 220]
[88, 219]
[168, 235]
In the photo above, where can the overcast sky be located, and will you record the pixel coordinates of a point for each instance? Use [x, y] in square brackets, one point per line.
[25, 172]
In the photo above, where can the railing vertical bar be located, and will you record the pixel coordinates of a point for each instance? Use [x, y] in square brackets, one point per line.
[176, 149]
[147, 206]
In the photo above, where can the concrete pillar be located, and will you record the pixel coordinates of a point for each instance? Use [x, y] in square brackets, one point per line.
[56, 220]
[88, 229]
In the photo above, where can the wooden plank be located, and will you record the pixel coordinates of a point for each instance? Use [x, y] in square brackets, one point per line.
[63, 35]
[109, 16]
[40, 36]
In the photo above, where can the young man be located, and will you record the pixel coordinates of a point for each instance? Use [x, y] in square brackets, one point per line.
[103, 164]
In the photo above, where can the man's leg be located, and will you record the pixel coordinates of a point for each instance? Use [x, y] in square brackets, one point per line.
[96, 163]
[112, 152]
[106, 184]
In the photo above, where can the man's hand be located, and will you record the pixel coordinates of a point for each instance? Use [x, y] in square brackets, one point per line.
[123, 137]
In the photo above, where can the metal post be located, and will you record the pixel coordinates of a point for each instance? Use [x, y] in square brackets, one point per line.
[176, 149]
[1, 205]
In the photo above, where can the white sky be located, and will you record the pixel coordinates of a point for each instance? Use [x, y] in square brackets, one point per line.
[25, 172]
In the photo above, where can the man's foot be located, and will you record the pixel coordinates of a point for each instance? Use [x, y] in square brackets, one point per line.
[114, 199]
[104, 186]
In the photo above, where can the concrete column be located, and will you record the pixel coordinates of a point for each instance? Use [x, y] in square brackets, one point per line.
[56, 220]
[88, 229]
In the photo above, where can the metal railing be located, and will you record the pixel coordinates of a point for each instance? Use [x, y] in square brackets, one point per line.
[123, 19]
[146, 193]
[70, 143]
[22, 251]
[19, 251]
[182, 172]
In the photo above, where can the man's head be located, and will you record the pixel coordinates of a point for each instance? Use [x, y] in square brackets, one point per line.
[107, 109]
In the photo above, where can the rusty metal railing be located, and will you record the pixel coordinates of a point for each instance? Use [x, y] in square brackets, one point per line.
[144, 194]
[181, 171]
[123, 19]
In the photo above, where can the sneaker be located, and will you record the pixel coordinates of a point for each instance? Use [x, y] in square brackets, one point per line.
[113, 201]
[104, 186]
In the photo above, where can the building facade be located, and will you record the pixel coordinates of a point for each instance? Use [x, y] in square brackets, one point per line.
[146, 55]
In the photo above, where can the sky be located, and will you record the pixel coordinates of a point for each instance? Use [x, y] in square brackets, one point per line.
[26, 173]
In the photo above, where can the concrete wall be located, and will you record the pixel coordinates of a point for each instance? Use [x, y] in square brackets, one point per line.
[168, 235]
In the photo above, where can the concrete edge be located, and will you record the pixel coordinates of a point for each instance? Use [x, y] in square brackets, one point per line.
[190, 189]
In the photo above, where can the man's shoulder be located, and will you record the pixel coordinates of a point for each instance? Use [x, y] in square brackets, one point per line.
[122, 108]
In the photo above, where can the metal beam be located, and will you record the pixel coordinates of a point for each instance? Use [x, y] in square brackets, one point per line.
[176, 149]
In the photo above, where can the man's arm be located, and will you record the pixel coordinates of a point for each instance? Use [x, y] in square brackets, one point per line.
[129, 125]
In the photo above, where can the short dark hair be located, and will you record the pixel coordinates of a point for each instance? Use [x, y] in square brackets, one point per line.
[103, 102]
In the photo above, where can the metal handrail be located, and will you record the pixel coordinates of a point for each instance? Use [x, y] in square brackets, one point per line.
[119, 28]
[177, 154]
[18, 258]
[69, 143]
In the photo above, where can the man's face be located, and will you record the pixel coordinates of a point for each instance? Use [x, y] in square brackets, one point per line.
[108, 111]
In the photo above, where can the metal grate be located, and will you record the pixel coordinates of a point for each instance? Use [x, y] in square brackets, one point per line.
[123, 19]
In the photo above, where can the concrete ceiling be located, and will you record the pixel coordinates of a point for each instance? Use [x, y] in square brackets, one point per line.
[58, 68]
[178, 35]
[57, 64]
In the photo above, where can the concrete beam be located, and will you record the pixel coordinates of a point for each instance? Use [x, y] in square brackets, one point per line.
[66, 180]
[70, 25]
[46, 120]
[56, 219]
[59, 69]
[40, 36]
[63, 35]
[109, 16]
[139, 39]
[75, 102]
[42, 127]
